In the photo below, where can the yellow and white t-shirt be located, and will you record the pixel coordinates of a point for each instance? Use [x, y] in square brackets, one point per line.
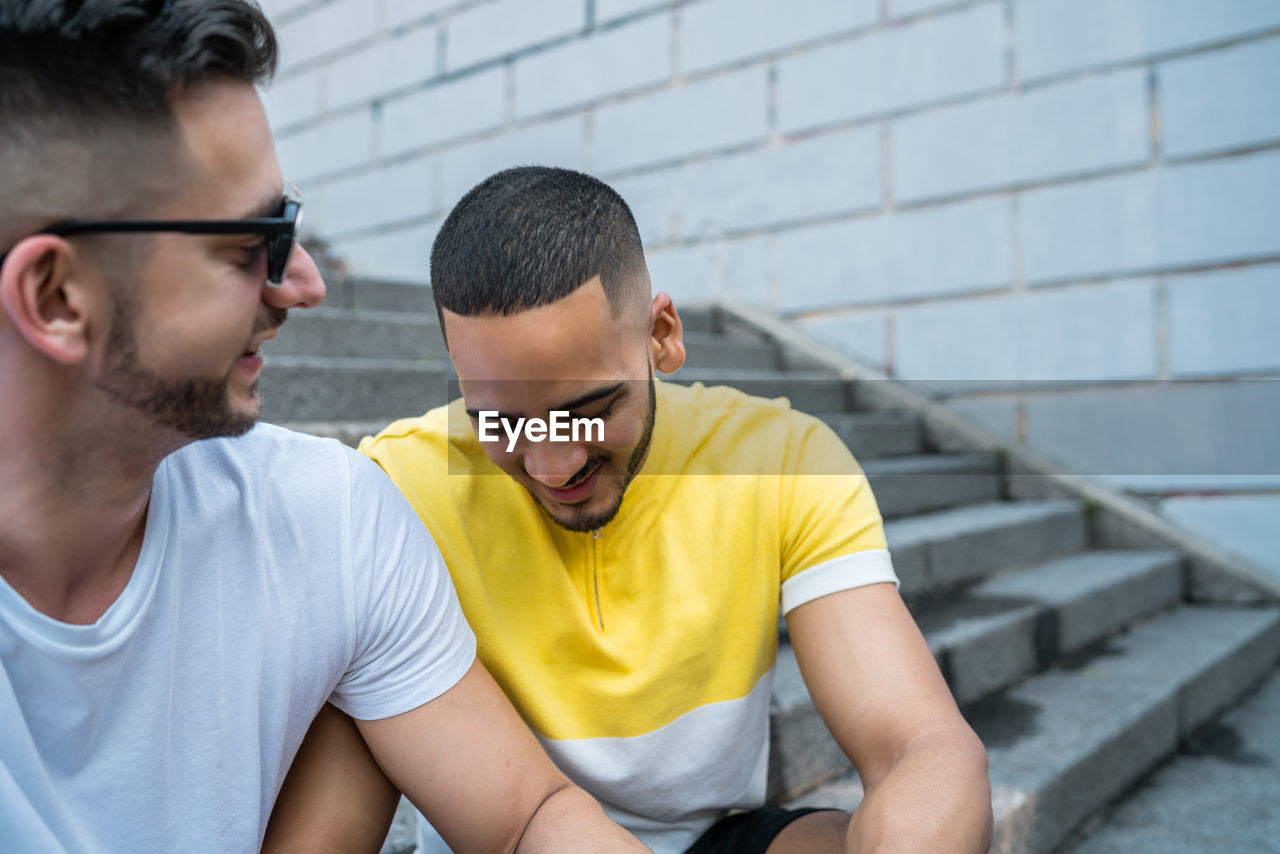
[642, 654]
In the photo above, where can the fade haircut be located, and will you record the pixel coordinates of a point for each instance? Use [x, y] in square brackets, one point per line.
[530, 236]
[86, 97]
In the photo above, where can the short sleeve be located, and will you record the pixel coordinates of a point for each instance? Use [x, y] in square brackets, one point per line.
[832, 535]
[412, 643]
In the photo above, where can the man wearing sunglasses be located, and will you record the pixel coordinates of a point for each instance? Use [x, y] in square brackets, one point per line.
[175, 613]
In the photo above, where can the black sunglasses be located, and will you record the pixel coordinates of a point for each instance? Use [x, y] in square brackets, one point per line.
[280, 231]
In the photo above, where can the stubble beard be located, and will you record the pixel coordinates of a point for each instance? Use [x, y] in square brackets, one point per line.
[582, 521]
[196, 407]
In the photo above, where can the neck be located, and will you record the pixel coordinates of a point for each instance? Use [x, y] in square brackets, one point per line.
[74, 507]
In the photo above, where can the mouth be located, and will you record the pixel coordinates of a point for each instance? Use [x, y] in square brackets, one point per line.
[255, 344]
[251, 358]
[580, 488]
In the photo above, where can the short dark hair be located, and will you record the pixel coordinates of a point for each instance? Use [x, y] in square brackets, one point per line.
[80, 76]
[124, 57]
[530, 236]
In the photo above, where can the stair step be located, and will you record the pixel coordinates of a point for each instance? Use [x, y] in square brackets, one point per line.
[360, 333]
[934, 553]
[1067, 742]
[713, 350]
[1219, 794]
[918, 484]
[794, 359]
[699, 318]
[811, 391]
[995, 634]
[877, 434]
[344, 291]
[1010, 626]
[303, 389]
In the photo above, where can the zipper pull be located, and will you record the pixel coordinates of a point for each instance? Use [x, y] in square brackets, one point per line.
[597, 533]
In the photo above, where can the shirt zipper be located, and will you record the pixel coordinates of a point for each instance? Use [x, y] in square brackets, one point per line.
[595, 573]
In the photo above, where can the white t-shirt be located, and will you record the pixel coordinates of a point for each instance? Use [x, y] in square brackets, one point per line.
[276, 570]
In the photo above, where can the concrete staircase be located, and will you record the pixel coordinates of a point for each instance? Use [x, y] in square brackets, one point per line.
[1082, 668]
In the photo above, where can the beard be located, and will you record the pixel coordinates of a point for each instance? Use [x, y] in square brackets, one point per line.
[196, 407]
[583, 521]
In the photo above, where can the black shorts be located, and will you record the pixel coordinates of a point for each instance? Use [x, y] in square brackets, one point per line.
[746, 832]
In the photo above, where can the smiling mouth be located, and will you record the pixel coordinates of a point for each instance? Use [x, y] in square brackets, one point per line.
[580, 488]
[584, 473]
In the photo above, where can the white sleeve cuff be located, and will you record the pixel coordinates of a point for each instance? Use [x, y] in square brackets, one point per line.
[859, 569]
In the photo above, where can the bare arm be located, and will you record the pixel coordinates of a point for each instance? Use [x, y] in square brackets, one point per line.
[335, 799]
[471, 765]
[878, 689]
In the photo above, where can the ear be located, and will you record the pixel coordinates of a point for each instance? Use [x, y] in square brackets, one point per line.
[666, 335]
[45, 302]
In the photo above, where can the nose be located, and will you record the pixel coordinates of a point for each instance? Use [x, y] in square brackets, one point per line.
[302, 287]
[554, 463]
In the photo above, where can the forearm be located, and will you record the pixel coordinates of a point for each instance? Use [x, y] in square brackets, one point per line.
[569, 820]
[936, 797]
[473, 768]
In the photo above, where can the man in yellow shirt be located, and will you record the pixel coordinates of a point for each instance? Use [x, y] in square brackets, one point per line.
[624, 586]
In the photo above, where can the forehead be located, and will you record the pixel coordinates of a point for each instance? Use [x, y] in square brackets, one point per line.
[230, 167]
[551, 351]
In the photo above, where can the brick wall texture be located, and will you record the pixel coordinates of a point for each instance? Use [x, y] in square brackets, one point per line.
[984, 191]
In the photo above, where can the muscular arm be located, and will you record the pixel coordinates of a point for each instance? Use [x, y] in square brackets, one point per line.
[465, 759]
[878, 689]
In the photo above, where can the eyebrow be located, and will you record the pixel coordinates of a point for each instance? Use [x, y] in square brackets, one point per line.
[579, 401]
[267, 209]
[591, 397]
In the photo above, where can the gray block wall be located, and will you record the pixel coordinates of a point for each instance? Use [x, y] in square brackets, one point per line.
[1045, 209]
